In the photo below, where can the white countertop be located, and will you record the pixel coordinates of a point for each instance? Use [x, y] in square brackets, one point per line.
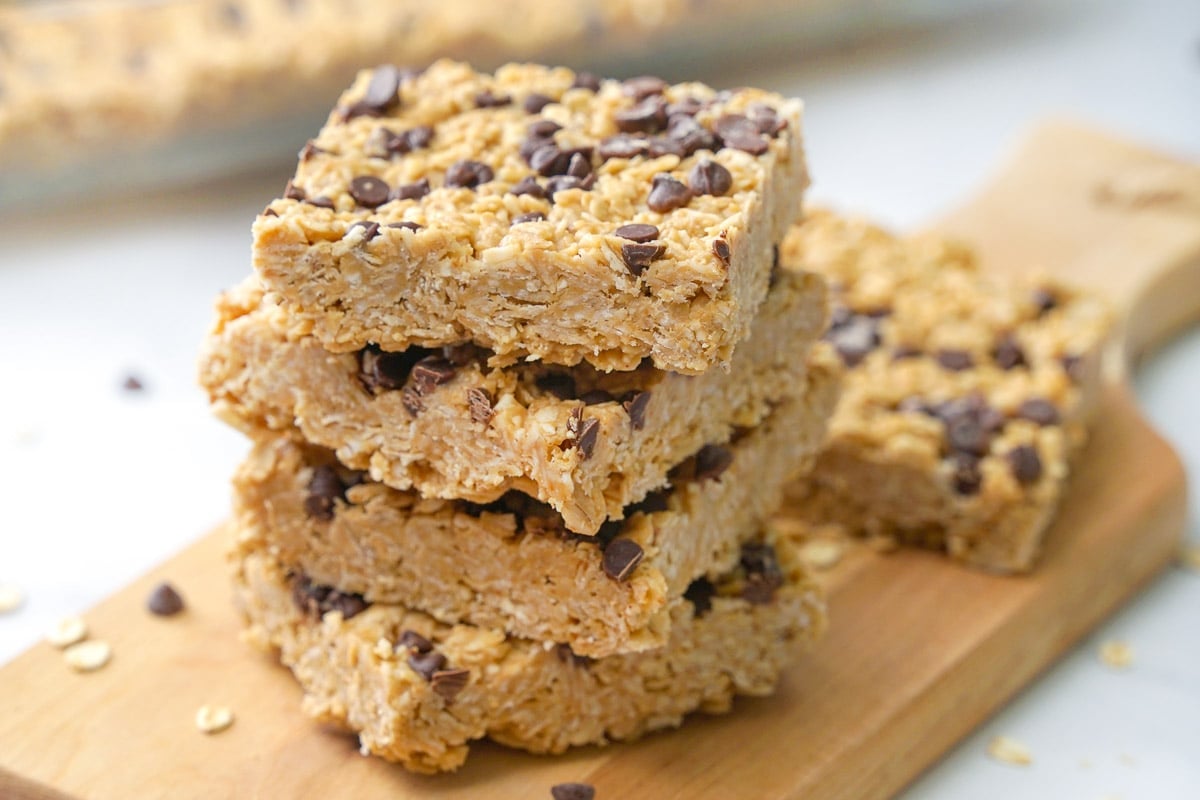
[99, 484]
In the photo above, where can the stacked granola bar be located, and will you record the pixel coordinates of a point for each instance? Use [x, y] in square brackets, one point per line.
[525, 382]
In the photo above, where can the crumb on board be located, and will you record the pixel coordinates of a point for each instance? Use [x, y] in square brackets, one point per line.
[88, 656]
[1009, 750]
[213, 719]
[822, 553]
[1116, 654]
[11, 598]
[66, 632]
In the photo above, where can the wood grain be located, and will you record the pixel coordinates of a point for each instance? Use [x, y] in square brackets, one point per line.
[919, 652]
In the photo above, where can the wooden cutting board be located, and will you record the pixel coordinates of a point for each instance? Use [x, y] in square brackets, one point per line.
[919, 653]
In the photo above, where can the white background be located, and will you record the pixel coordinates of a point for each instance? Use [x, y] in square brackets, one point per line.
[98, 484]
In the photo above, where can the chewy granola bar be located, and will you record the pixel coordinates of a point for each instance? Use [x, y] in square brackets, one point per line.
[445, 423]
[963, 401]
[510, 564]
[418, 691]
[537, 213]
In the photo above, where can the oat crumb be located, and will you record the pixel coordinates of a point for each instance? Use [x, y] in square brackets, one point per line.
[821, 553]
[11, 598]
[88, 656]
[1116, 654]
[213, 719]
[67, 631]
[1009, 750]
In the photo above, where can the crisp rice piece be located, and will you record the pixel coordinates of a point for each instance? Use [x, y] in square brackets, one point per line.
[448, 425]
[964, 398]
[417, 691]
[536, 218]
[511, 565]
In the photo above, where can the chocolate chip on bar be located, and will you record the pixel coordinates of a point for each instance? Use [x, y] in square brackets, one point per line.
[449, 683]
[621, 558]
[480, 404]
[636, 408]
[369, 191]
[709, 177]
[1025, 462]
[667, 194]
[427, 663]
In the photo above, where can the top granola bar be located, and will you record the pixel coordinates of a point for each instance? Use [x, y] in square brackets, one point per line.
[538, 213]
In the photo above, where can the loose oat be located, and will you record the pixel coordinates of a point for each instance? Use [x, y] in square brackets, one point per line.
[213, 719]
[11, 598]
[822, 553]
[1116, 654]
[67, 632]
[88, 656]
[1010, 751]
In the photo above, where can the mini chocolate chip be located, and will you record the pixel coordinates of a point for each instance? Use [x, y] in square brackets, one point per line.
[763, 575]
[690, 134]
[310, 151]
[572, 791]
[621, 146]
[667, 194]
[535, 102]
[661, 146]
[414, 642]
[579, 166]
[586, 80]
[381, 370]
[532, 216]
[688, 106]
[1039, 410]
[559, 384]
[643, 86]
[411, 191]
[709, 177]
[269, 212]
[637, 232]
[566, 655]
[740, 133]
[324, 488]
[431, 372]
[595, 397]
[132, 383]
[720, 248]
[638, 257]
[370, 229]
[406, 141]
[1025, 463]
[489, 99]
[965, 475]
[405, 225]
[449, 683]
[1008, 354]
[700, 593]
[561, 183]
[307, 595]
[369, 191]
[349, 605]
[383, 89]
[293, 192]
[585, 432]
[468, 174]
[1073, 365]
[955, 360]
[1044, 300]
[966, 434]
[621, 557]
[548, 160]
[528, 185]
[853, 335]
[904, 351]
[543, 129]
[646, 116]
[320, 202]
[479, 403]
[531, 144]
[712, 460]
[425, 664]
[164, 601]
[636, 407]
[766, 119]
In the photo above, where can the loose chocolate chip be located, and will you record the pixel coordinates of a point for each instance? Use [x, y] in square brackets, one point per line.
[720, 248]
[661, 146]
[1025, 463]
[586, 80]
[370, 229]
[711, 461]
[479, 403]
[572, 791]
[688, 106]
[646, 116]
[621, 146]
[164, 601]
[740, 133]
[667, 194]
[380, 370]
[709, 177]
[621, 557]
[1039, 410]
[532, 216]
[566, 655]
[294, 192]
[559, 384]
[535, 102]
[431, 372]
[132, 383]
[639, 256]
[637, 232]
[1008, 354]
[414, 642]
[690, 135]
[955, 360]
[383, 89]
[763, 575]
[320, 202]
[1044, 300]
[425, 664]
[528, 185]
[700, 593]
[369, 191]
[965, 475]
[449, 683]
[468, 174]
[405, 225]
[636, 407]
[643, 86]
[411, 191]
[766, 119]
[853, 335]
[323, 489]
[595, 397]
[489, 99]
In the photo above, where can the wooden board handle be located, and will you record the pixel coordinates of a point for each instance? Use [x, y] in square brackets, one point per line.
[1098, 212]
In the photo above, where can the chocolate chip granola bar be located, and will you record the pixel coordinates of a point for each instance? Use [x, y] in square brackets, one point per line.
[964, 398]
[418, 691]
[537, 213]
[445, 423]
[511, 564]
